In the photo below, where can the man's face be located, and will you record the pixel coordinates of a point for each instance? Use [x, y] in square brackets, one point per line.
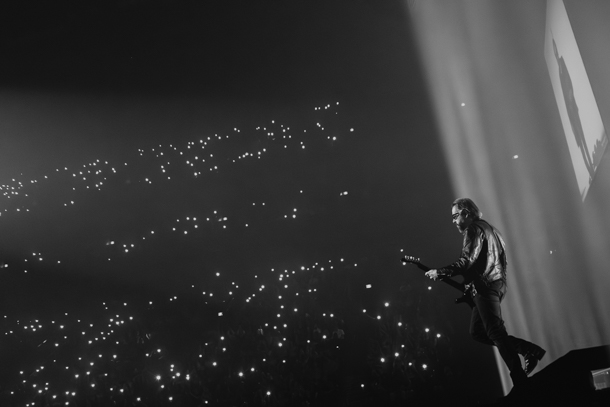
[461, 218]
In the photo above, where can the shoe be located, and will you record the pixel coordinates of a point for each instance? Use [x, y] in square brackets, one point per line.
[531, 357]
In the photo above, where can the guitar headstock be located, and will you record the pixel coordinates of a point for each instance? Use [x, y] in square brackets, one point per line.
[410, 259]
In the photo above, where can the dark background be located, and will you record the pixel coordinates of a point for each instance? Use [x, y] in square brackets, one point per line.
[99, 81]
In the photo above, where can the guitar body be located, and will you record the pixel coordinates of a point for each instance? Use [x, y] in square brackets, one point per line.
[466, 290]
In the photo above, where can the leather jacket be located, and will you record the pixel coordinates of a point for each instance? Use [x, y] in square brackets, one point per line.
[483, 255]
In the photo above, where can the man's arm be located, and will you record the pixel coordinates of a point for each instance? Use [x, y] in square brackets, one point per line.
[471, 249]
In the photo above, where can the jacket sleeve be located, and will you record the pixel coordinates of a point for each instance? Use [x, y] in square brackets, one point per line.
[470, 252]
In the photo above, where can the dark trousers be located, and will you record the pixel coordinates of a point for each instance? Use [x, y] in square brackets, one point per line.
[487, 326]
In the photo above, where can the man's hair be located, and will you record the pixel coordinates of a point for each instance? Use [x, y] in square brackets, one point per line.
[469, 206]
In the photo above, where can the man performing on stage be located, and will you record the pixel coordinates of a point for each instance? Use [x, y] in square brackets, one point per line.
[483, 264]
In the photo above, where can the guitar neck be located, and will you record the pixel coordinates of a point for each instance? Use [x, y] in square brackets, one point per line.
[445, 280]
[422, 267]
[466, 292]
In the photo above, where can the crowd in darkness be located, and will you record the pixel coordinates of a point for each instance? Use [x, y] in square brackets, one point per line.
[303, 334]
[191, 351]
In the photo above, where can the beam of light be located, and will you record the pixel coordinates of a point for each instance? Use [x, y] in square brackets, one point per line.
[580, 116]
[501, 131]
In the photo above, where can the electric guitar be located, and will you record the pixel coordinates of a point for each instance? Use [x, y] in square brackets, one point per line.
[466, 290]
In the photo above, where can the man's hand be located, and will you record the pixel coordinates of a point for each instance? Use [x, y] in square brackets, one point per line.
[432, 274]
